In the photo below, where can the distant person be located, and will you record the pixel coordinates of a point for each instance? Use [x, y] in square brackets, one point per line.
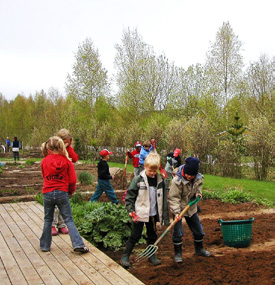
[173, 161]
[8, 143]
[135, 156]
[186, 185]
[59, 183]
[104, 176]
[146, 148]
[15, 148]
[59, 225]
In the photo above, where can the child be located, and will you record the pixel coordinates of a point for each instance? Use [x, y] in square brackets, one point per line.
[173, 161]
[145, 150]
[186, 185]
[104, 176]
[59, 182]
[58, 222]
[135, 156]
[146, 202]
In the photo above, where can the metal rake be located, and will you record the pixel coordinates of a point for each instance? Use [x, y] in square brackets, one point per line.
[151, 249]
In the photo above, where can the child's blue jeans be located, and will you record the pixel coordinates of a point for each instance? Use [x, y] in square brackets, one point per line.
[194, 225]
[61, 199]
[104, 185]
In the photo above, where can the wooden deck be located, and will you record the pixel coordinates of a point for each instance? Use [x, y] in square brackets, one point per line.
[22, 261]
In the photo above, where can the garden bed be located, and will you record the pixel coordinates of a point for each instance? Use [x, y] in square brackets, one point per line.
[227, 265]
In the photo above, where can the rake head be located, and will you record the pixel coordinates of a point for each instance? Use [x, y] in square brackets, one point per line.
[148, 252]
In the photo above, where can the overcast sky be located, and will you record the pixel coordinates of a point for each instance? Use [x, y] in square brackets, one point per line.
[38, 39]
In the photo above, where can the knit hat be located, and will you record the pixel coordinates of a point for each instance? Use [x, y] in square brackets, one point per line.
[105, 152]
[191, 166]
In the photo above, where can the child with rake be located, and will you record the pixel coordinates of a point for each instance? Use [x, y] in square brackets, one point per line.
[185, 185]
[146, 203]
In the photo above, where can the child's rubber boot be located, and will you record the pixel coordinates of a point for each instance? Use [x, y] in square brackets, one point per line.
[125, 259]
[199, 250]
[178, 253]
[154, 260]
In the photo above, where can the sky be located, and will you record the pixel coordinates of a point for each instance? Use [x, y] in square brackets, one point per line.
[39, 39]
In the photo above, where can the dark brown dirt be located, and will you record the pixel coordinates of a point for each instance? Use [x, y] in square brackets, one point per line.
[227, 265]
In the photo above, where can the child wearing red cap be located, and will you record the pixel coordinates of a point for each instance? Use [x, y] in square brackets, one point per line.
[135, 156]
[173, 161]
[104, 176]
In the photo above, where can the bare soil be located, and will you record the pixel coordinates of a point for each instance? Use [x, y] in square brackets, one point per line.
[227, 265]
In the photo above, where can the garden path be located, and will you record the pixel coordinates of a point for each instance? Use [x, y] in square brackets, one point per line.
[22, 261]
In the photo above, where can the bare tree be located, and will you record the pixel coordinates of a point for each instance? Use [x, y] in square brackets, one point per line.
[224, 62]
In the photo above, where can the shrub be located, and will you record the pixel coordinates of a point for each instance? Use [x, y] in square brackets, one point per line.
[30, 162]
[107, 224]
[86, 178]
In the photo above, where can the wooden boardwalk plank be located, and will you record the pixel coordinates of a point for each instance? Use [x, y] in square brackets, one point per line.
[14, 273]
[22, 261]
[12, 239]
[3, 274]
[119, 270]
[107, 261]
[97, 264]
[60, 273]
[25, 236]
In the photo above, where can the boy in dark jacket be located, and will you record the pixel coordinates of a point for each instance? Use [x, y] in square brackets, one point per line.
[146, 203]
[104, 176]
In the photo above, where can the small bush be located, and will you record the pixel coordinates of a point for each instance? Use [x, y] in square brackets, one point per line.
[106, 224]
[30, 162]
[39, 198]
[86, 178]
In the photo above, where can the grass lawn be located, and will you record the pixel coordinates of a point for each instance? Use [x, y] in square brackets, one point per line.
[258, 189]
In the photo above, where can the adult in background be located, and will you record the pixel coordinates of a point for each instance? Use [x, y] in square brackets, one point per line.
[15, 148]
[8, 143]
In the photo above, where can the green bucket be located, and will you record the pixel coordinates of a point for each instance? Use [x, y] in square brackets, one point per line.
[237, 233]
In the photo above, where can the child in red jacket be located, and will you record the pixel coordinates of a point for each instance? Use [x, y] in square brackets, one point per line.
[59, 182]
[58, 222]
[135, 156]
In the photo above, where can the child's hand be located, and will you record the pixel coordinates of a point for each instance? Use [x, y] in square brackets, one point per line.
[178, 217]
[135, 218]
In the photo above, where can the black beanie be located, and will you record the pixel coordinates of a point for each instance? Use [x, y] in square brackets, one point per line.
[191, 166]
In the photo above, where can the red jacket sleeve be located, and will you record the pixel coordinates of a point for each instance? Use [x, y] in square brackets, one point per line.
[72, 178]
[72, 153]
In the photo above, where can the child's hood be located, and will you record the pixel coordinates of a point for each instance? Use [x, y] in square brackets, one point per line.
[56, 163]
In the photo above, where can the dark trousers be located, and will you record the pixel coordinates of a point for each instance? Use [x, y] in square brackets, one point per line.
[194, 225]
[137, 229]
[16, 155]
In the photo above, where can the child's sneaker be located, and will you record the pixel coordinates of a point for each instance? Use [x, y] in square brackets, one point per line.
[64, 230]
[54, 231]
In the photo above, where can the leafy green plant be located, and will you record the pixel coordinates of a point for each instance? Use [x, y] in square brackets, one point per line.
[106, 224]
[30, 190]
[235, 196]
[86, 178]
[30, 162]
[39, 198]
[77, 198]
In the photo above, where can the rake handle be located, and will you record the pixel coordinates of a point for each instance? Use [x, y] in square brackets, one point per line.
[176, 220]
